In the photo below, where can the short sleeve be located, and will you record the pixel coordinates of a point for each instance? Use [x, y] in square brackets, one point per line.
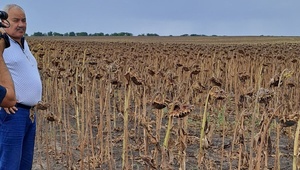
[2, 93]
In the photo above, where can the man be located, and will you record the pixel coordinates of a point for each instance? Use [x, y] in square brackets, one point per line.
[17, 128]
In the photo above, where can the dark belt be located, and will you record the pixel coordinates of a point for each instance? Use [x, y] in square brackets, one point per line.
[24, 106]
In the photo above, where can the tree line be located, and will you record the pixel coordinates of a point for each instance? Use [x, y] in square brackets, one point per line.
[73, 34]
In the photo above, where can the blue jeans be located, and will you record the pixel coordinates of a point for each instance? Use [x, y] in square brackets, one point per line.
[17, 135]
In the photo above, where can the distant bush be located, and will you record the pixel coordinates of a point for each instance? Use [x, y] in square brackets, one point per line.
[38, 34]
[71, 34]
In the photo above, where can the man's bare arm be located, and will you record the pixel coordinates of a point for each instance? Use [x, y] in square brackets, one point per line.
[6, 81]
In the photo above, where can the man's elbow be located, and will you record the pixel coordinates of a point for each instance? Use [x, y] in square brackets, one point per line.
[8, 103]
[8, 97]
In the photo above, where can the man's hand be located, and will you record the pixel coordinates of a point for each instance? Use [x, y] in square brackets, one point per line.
[10, 110]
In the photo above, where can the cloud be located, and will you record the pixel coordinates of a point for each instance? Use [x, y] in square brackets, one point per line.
[231, 17]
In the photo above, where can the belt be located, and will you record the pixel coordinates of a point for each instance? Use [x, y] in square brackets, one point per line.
[24, 106]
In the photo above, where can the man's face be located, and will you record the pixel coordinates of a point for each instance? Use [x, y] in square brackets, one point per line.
[17, 20]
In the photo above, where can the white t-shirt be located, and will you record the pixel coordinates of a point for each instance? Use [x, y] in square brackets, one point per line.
[23, 69]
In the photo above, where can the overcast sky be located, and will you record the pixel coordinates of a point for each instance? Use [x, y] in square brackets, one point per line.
[163, 17]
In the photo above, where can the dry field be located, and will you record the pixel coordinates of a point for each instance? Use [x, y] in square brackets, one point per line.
[168, 102]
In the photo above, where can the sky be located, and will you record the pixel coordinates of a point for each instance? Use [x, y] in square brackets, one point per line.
[163, 17]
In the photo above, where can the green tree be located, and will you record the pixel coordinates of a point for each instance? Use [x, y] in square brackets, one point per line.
[72, 34]
[97, 34]
[121, 34]
[81, 34]
[38, 34]
[100, 34]
[57, 34]
[50, 34]
[152, 34]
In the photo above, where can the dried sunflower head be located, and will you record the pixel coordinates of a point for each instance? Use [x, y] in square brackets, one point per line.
[218, 93]
[264, 95]
[179, 110]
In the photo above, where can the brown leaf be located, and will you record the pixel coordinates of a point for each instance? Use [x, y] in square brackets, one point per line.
[42, 105]
[149, 161]
[158, 105]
